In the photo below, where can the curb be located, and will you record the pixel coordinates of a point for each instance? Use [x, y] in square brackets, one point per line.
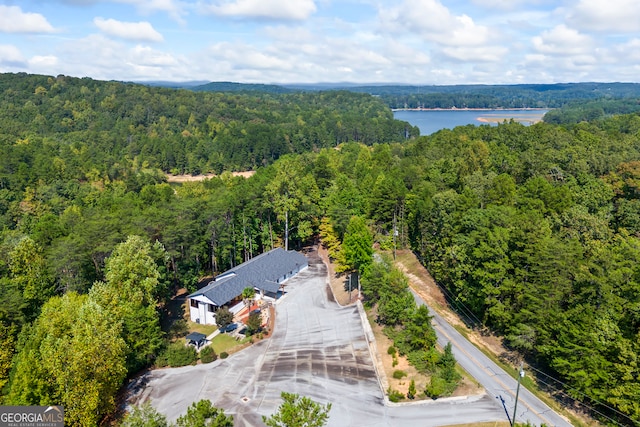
[373, 351]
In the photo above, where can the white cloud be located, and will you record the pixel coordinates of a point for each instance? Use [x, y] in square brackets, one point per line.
[148, 57]
[629, 50]
[44, 61]
[80, 2]
[498, 4]
[512, 4]
[243, 57]
[176, 9]
[562, 41]
[404, 54]
[617, 16]
[475, 53]
[10, 56]
[563, 54]
[434, 22]
[286, 34]
[297, 10]
[111, 59]
[47, 64]
[141, 31]
[14, 20]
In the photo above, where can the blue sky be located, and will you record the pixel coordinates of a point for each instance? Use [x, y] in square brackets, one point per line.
[307, 41]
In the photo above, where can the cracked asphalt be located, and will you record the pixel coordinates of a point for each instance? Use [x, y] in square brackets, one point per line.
[318, 349]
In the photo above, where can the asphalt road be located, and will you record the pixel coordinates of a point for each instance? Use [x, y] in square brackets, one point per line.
[493, 378]
[318, 349]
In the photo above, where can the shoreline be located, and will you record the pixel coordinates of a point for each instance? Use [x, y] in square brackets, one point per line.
[472, 109]
[498, 120]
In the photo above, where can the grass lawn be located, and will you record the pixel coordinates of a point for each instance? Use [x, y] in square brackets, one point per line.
[199, 327]
[225, 342]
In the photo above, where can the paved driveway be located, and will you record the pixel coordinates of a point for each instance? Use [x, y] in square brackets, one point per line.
[319, 350]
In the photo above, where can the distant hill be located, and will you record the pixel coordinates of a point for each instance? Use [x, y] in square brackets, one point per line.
[241, 87]
[174, 85]
[453, 96]
[498, 96]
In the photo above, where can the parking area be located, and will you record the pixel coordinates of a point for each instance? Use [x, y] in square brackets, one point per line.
[318, 349]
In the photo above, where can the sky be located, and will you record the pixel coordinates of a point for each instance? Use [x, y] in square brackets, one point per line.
[421, 42]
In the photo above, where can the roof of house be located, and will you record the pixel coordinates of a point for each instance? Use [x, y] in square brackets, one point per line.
[260, 272]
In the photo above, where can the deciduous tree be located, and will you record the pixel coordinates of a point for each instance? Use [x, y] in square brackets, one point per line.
[204, 414]
[357, 245]
[298, 411]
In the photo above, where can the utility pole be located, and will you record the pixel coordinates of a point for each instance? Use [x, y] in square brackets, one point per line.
[395, 233]
[286, 230]
[515, 407]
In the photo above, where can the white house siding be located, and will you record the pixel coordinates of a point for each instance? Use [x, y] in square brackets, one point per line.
[201, 314]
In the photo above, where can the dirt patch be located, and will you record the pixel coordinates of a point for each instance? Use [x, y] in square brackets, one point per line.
[402, 385]
[424, 285]
[196, 178]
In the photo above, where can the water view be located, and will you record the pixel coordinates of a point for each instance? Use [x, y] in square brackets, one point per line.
[430, 121]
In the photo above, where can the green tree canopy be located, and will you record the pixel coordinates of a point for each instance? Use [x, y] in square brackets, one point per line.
[204, 414]
[298, 411]
[74, 356]
[129, 293]
[357, 245]
[144, 415]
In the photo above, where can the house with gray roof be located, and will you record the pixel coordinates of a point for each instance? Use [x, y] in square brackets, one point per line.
[265, 273]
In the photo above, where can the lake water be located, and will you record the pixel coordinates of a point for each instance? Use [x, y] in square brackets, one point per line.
[430, 121]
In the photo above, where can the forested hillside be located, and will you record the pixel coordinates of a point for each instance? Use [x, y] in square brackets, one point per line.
[103, 124]
[491, 96]
[534, 230]
[576, 112]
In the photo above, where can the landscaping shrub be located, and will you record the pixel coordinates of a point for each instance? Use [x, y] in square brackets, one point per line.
[208, 354]
[436, 387]
[224, 355]
[424, 361]
[398, 374]
[253, 323]
[178, 354]
[394, 395]
[391, 350]
[439, 386]
[411, 393]
[161, 361]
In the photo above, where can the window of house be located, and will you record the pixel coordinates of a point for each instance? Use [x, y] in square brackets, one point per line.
[211, 308]
[194, 303]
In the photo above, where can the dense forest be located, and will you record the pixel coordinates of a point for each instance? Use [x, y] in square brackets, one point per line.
[535, 231]
[179, 130]
[467, 96]
[576, 112]
[499, 96]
